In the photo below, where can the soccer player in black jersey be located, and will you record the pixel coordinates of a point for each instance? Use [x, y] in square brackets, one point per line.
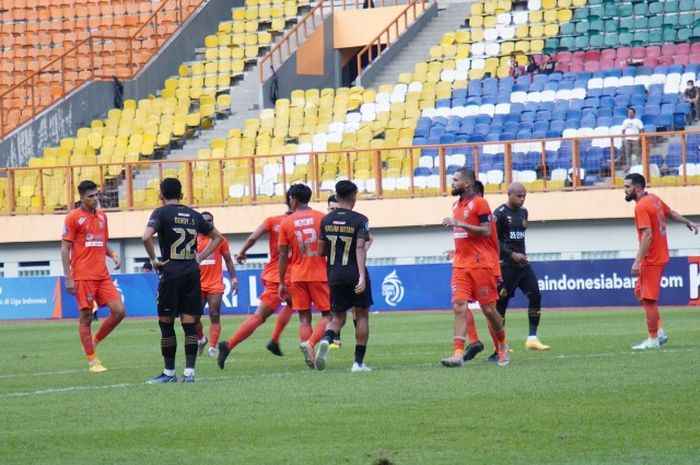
[511, 223]
[177, 227]
[342, 239]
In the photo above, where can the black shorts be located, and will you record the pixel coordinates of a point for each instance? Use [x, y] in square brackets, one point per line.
[517, 278]
[179, 296]
[343, 297]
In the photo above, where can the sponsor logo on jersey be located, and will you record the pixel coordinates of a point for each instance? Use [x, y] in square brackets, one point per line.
[392, 289]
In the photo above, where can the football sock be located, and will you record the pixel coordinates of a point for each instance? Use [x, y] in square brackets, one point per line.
[493, 336]
[330, 336]
[168, 346]
[190, 344]
[85, 334]
[360, 354]
[319, 330]
[305, 331]
[108, 324]
[199, 327]
[188, 372]
[282, 319]
[651, 309]
[214, 334]
[245, 330]
[533, 312]
[501, 338]
[458, 344]
[501, 307]
[471, 328]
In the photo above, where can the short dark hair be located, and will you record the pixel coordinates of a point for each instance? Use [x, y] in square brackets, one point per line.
[467, 173]
[479, 188]
[637, 179]
[207, 213]
[332, 199]
[633, 110]
[85, 186]
[171, 188]
[690, 81]
[300, 192]
[345, 189]
[147, 266]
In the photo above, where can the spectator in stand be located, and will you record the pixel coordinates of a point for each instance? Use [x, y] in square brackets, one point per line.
[532, 67]
[515, 69]
[631, 127]
[548, 64]
[692, 96]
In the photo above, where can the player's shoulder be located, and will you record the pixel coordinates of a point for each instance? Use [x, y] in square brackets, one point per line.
[501, 209]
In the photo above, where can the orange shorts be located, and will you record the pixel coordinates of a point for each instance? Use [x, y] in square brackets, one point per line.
[649, 282]
[206, 290]
[102, 291]
[474, 284]
[271, 295]
[304, 293]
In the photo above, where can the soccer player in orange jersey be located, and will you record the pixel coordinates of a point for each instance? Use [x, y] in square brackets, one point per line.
[270, 300]
[211, 275]
[83, 250]
[473, 267]
[650, 215]
[298, 246]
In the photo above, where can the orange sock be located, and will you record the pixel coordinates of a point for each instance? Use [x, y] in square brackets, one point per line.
[106, 327]
[651, 309]
[245, 330]
[458, 344]
[319, 330]
[214, 334]
[199, 327]
[493, 337]
[282, 319]
[471, 328]
[86, 339]
[305, 331]
[501, 338]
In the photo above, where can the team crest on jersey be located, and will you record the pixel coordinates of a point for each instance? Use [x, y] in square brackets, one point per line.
[81, 220]
[65, 230]
[392, 289]
[89, 237]
[90, 297]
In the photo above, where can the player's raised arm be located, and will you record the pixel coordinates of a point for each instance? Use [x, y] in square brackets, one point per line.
[216, 239]
[250, 242]
[678, 218]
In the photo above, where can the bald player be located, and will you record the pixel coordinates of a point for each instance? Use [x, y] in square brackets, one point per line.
[511, 223]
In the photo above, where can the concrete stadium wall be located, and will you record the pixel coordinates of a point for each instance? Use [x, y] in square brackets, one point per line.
[94, 99]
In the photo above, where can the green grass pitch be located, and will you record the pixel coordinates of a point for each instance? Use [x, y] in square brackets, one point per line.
[589, 400]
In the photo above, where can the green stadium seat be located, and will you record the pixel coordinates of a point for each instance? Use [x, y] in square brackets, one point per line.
[671, 6]
[656, 37]
[596, 25]
[640, 38]
[641, 22]
[551, 45]
[611, 10]
[640, 9]
[567, 43]
[696, 5]
[582, 13]
[625, 39]
[612, 25]
[670, 34]
[596, 41]
[567, 29]
[685, 19]
[670, 20]
[595, 2]
[684, 34]
[612, 40]
[625, 10]
[582, 27]
[626, 24]
[581, 42]
[686, 5]
[655, 8]
[656, 22]
[597, 11]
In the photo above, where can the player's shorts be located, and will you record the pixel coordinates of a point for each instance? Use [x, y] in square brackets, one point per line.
[212, 289]
[304, 293]
[178, 296]
[271, 294]
[343, 297]
[91, 292]
[648, 283]
[522, 278]
[477, 284]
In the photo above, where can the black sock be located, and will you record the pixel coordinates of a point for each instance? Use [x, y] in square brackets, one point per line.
[168, 344]
[360, 354]
[533, 312]
[190, 344]
[329, 336]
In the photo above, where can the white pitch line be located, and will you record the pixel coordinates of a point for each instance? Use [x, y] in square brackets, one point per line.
[301, 372]
[54, 373]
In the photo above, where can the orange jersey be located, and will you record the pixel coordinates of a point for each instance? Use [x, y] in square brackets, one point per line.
[271, 272]
[89, 234]
[300, 232]
[472, 250]
[211, 272]
[651, 212]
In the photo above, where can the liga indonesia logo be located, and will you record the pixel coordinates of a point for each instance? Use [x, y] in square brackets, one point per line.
[392, 289]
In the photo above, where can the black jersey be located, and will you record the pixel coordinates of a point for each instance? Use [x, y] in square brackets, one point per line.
[341, 229]
[511, 225]
[177, 227]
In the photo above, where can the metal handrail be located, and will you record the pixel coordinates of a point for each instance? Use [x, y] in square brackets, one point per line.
[375, 156]
[133, 69]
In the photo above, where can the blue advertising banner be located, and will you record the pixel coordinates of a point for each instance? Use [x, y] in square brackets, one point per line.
[22, 298]
[575, 283]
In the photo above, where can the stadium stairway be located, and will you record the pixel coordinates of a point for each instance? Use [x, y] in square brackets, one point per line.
[451, 16]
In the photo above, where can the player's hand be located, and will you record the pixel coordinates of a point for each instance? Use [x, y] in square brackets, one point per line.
[158, 265]
[282, 291]
[360, 287]
[520, 259]
[70, 285]
[117, 261]
[449, 254]
[241, 258]
[636, 268]
[694, 227]
[234, 287]
[449, 222]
